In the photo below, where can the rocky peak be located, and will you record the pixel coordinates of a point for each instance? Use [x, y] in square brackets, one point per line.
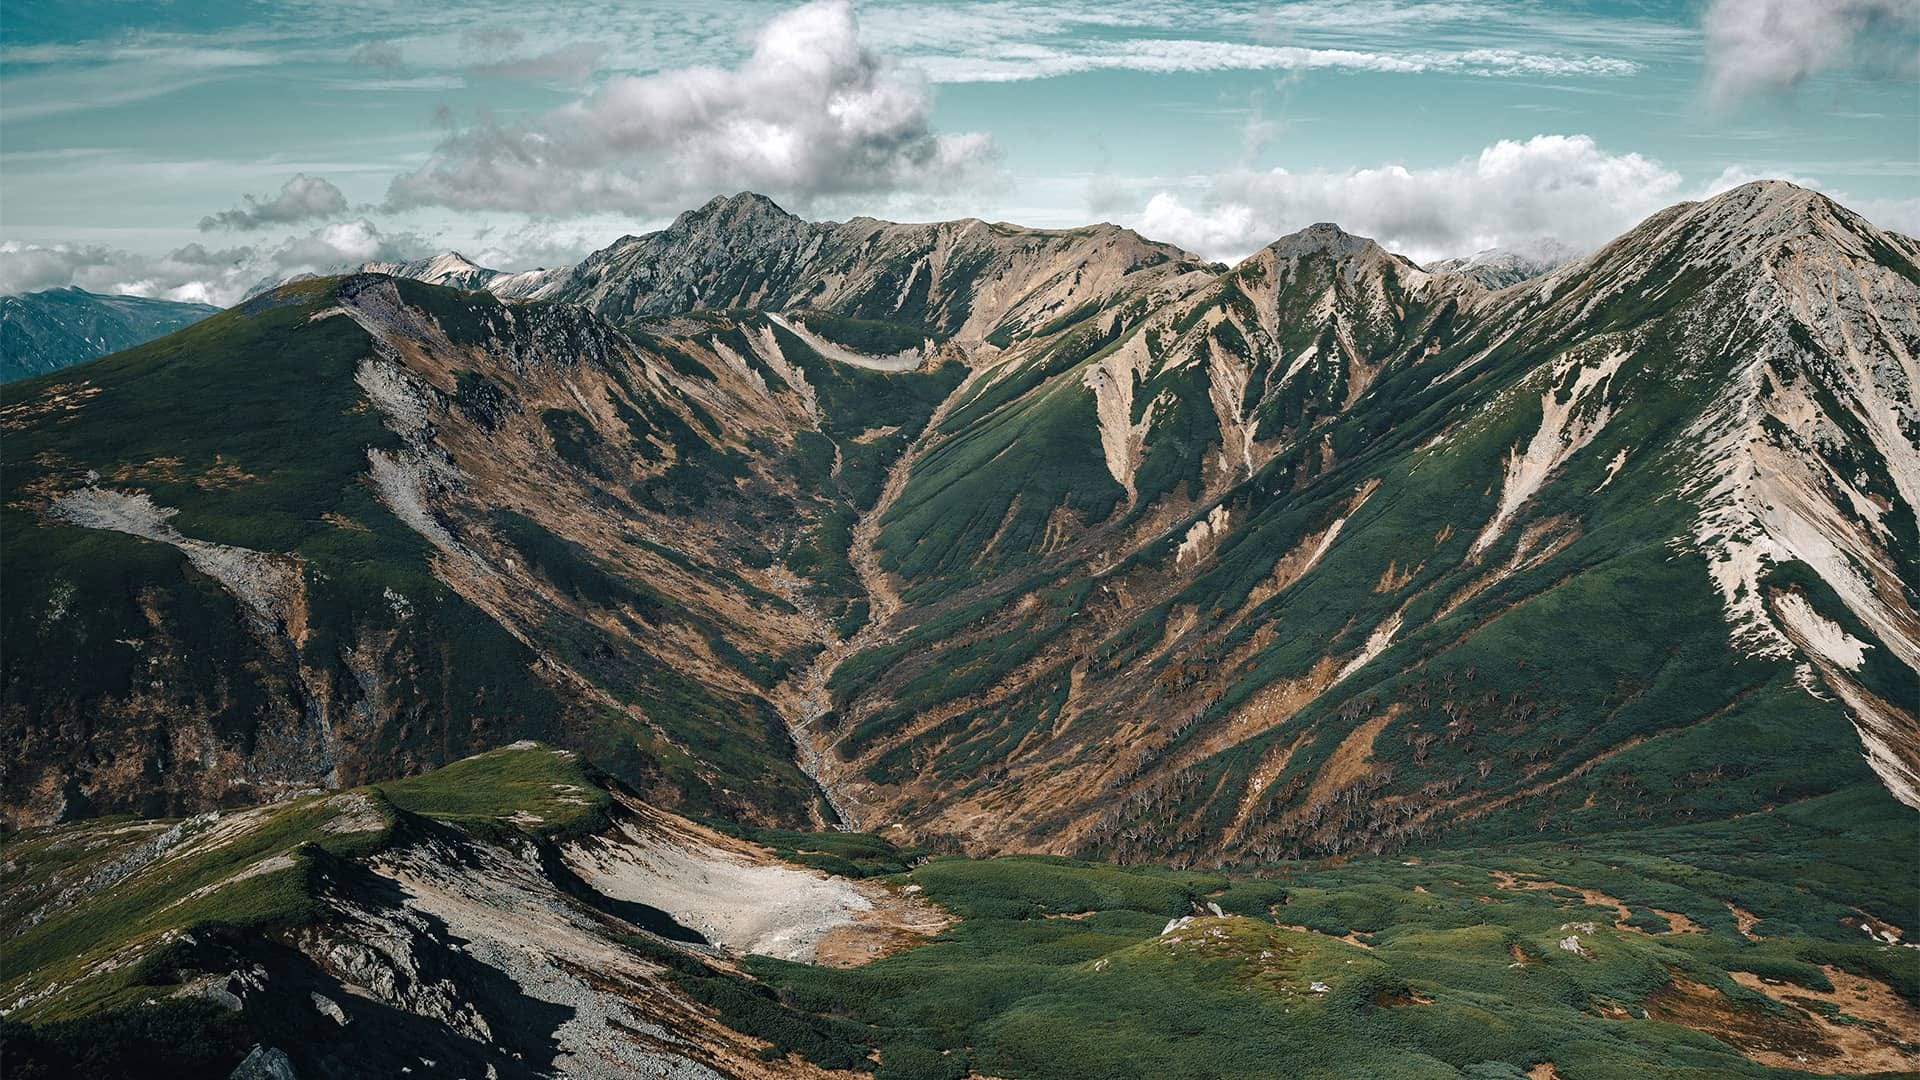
[1354, 257]
[744, 210]
[1321, 238]
[1738, 227]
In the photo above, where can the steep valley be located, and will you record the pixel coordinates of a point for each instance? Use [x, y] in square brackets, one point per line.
[914, 619]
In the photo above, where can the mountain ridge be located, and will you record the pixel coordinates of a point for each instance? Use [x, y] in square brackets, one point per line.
[1112, 420]
[1407, 675]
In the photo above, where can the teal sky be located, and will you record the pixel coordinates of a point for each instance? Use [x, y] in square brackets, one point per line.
[133, 134]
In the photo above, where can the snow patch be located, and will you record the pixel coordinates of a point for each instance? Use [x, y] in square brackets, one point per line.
[1377, 643]
[736, 902]
[1613, 468]
[905, 360]
[1121, 440]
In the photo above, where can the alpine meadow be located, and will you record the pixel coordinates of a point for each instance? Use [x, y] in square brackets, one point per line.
[1410, 596]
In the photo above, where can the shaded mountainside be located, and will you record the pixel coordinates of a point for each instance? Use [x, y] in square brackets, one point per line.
[57, 328]
[1037, 540]
[520, 914]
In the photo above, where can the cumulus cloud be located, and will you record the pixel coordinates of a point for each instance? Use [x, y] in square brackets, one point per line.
[810, 112]
[1563, 186]
[1762, 45]
[302, 198]
[197, 273]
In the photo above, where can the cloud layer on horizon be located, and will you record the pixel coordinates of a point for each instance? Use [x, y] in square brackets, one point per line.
[196, 273]
[834, 116]
[1563, 187]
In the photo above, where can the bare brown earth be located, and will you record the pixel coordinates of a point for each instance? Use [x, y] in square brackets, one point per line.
[1677, 922]
[1886, 1037]
[1873, 1032]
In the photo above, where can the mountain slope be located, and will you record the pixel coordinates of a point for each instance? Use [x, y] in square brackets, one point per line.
[520, 914]
[1420, 612]
[1034, 540]
[484, 919]
[447, 521]
[57, 328]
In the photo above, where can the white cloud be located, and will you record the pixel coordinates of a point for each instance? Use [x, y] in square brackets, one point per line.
[195, 272]
[1762, 45]
[381, 55]
[1012, 63]
[45, 80]
[302, 198]
[1512, 194]
[810, 112]
[1564, 186]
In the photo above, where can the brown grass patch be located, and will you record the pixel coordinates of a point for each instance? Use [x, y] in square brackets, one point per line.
[1884, 1032]
[1800, 1037]
[1393, 579]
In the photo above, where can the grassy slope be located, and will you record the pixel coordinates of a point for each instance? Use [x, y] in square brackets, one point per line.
[249, 424]
[1058, 969]
[1547, 678]
[252, 427]
[1428, 985]
[193, 883]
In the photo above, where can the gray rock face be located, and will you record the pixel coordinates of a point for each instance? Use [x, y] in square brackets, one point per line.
[960, 279]
[264, 1063]
[330, 1009]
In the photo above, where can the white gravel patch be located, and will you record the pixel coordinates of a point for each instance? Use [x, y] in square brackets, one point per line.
[740, 903]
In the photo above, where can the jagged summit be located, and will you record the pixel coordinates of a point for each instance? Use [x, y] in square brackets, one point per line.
[1354, 254]
[739, 205]
[1741, 225]
[1321, 236]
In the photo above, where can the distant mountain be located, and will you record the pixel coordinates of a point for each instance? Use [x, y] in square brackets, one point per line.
[969, 280]
[1497, 268]
[456, 271]
[451, 269]
[46, 331]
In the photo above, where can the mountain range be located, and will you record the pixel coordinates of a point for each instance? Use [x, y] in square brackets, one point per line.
[46, 331]
[1131, 579]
